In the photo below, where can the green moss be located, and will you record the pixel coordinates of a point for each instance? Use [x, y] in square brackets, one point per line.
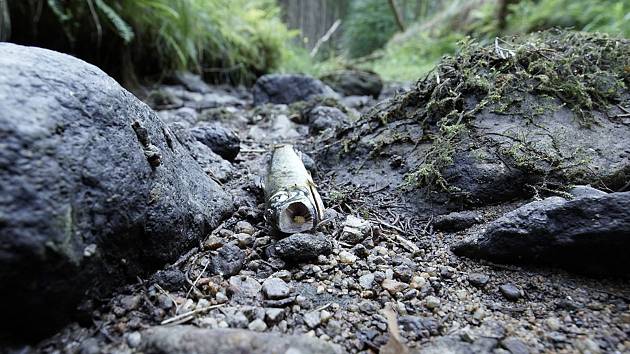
[226, 40]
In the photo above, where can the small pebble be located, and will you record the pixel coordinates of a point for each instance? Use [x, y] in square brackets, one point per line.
[393, 286]
[275, 288]
[134, 339]
[478, 280]
[245, 227]
[511, 292]
[213, 243]
[312, 319]
[431, 302]
[257, 325]
[346, 257]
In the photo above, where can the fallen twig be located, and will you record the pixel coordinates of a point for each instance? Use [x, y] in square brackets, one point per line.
[189, 314]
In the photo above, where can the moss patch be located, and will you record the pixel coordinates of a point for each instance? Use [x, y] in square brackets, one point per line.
[526, 77]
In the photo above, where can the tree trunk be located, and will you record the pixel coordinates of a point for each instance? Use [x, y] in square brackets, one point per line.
[399, 21]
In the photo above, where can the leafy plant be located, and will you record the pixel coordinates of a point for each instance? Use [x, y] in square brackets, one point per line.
[226, 40]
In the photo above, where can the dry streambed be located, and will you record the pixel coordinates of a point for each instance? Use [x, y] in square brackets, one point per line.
[382, 261]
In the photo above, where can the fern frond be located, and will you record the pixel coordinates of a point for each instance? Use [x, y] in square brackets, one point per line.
[122, 28]
[59, 10]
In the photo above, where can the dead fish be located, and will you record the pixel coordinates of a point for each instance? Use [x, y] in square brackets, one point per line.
[292, 202]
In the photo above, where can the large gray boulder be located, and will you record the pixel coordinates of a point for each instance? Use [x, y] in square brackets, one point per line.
[355, 82]
[590, 233]
[486, 128]
[94, 188]
[288, 88]
[189, 339]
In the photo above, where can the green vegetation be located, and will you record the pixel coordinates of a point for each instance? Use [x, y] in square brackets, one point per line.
[369, 26]
[411, 55]
[226, 40]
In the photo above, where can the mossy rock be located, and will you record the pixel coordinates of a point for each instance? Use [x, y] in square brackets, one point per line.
[505, 120]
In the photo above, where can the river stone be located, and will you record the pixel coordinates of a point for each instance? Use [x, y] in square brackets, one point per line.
[288, 88]
[189, 80]
[189, 339]
[94, 188]
[212, 164]
[589, 234]
[228, 261]
[355, 82]
[457, 221]
[511, 291]
[275, 288]
[322, 118]
[221, 140]
[302, 247]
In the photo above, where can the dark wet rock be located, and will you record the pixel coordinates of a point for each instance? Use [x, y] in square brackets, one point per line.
[452, 344]
[587, 234]
[355, 82]
[170, 279]
[275, 288]
[511, 291]
[515, 345]
[212, 164]
[585, 191]
[228, 261]
[321, 118]
[478, 280]
[94, 188]
[457, 221]
[422, 327]
[302, 247]
[391, 89]
[309, 163]
[221, 140]
[288, 88]
[189, 339]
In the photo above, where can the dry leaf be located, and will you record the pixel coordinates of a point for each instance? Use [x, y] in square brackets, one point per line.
[394, 345]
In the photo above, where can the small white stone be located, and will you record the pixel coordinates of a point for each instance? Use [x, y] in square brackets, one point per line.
[89, 250]
[324, 316]
[393, 286]
[257, 325]
[346, 257]
[223, 324]
[312, 319]
[431, 302]
[417, 282]
[134, 339]
[202, 303]
[221, 298]
[553, 323]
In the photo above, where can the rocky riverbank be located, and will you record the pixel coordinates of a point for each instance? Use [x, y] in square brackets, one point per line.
[149, 221]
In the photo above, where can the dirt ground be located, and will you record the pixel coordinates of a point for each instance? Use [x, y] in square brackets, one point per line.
[444, 303]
